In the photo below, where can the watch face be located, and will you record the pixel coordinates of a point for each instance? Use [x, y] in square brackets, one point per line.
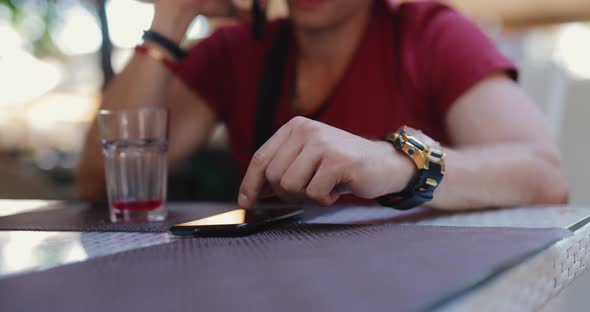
[420, 136]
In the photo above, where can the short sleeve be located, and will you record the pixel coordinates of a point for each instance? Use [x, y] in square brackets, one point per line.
[207, 72]
[457, 55]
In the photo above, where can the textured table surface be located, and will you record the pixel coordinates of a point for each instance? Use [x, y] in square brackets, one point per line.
[528, 286]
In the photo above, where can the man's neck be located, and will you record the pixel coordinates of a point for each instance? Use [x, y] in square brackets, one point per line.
[333, 46]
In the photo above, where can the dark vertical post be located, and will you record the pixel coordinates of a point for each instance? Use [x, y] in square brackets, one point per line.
[106, 48]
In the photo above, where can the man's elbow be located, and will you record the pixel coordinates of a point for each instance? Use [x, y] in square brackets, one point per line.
[554, 188]
[555, 192]
[90, 186]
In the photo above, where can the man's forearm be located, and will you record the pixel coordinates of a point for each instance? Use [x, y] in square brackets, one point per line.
[505, 175]
[143, 82]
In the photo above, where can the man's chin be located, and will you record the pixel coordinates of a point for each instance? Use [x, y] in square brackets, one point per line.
[307, 4]
[309, 21]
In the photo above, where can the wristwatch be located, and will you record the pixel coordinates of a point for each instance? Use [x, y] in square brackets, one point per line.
[429, 160]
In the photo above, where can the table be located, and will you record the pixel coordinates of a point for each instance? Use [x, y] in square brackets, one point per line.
[527, 286]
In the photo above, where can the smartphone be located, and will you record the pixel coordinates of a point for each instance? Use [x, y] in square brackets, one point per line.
[238, 222]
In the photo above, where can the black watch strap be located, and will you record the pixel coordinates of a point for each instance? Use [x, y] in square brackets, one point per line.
[418, 191]
[170, 46]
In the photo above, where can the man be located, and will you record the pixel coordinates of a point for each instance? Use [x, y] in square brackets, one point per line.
[349, 72]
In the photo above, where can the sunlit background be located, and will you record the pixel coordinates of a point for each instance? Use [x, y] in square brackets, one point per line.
[51, 74]
[50, 80]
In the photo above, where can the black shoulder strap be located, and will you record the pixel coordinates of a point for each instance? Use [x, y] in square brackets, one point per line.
[258, 20]
[271, 80]
[270, 85]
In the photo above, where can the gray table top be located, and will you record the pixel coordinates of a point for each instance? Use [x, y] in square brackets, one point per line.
[27, 251]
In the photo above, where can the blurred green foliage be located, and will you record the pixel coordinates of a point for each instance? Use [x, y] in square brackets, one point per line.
[35, 19]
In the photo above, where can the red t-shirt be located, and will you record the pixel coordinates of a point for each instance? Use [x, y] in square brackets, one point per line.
[413, 80]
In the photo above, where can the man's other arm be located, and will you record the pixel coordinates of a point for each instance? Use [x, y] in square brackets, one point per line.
[147, 82]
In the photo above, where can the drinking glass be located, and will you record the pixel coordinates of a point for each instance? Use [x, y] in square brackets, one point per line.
[135, 145]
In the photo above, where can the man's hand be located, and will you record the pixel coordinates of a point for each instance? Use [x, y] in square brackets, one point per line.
[172, 17]
[205, 7]
[306, 159]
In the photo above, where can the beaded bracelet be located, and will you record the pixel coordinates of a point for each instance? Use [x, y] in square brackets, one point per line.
[158, 56]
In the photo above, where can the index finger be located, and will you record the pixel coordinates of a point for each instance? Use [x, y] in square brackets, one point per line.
[255, 178]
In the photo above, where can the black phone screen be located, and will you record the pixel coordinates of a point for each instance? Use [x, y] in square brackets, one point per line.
[237, 222]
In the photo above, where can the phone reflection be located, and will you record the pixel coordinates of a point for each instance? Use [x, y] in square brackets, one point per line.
[237, 216]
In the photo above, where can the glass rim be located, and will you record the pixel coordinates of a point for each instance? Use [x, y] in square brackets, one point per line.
[104, 112]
